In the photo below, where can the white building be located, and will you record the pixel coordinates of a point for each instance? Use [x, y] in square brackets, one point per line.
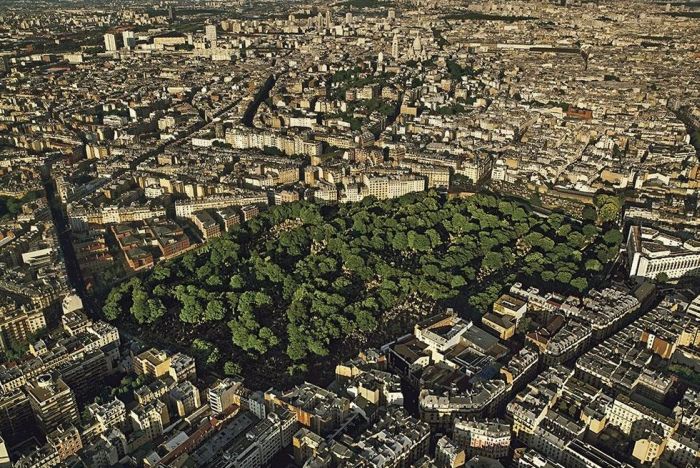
[186, 208]
[110, 43]
[651, 253]
[210, 34]
[626, 415]
[484, 438]
[151, 418]
[224, 394]
[129, 39]
[263, 440]
[111, 414]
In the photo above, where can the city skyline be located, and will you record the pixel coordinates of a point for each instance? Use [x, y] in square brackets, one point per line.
[430, 233]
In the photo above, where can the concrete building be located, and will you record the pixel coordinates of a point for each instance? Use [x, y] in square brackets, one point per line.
[306, 445]
[107, 450]
[52, 402]
[511, 306]
[206, 224]
[395, 440]
[228, 217]
[41, 457]
[651, 253]
[635, 419]
[66, 441]
[482, 438]
[529, 407]
[318, 409]
[16, 417]
[185, 398]
[224, 394]
[151, 418]
[152, 362]
[210, 34]
[263, 441]
[111, 414]
[185, 208]
[18, 324]
[110, 42]
[182, 367]
[442, 332]
[129, 39]
[449, 454]
[249, 212]
[5, 461]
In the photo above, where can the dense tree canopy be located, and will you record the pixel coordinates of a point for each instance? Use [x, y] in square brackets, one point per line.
[299, 277]
[608, 207]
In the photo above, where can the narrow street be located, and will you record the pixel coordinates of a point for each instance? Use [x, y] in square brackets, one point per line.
[75, 277]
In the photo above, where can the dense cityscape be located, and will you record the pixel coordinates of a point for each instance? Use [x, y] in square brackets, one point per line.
[350, 233]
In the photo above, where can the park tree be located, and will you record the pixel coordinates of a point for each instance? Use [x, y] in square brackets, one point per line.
[580, 284]
[156, 310]
[236, 283]
[593, 265]
[492, 261]
[548, 275]
[139, 302]
[577, 240]
[112, 307]
[613, 237]
[564, 277]
[564, 230]
[160, 273]
[609, 208]
[232, 368]
[339, 271]
[214, 311]
[589, 213]
[589, 231]
[399, 241]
